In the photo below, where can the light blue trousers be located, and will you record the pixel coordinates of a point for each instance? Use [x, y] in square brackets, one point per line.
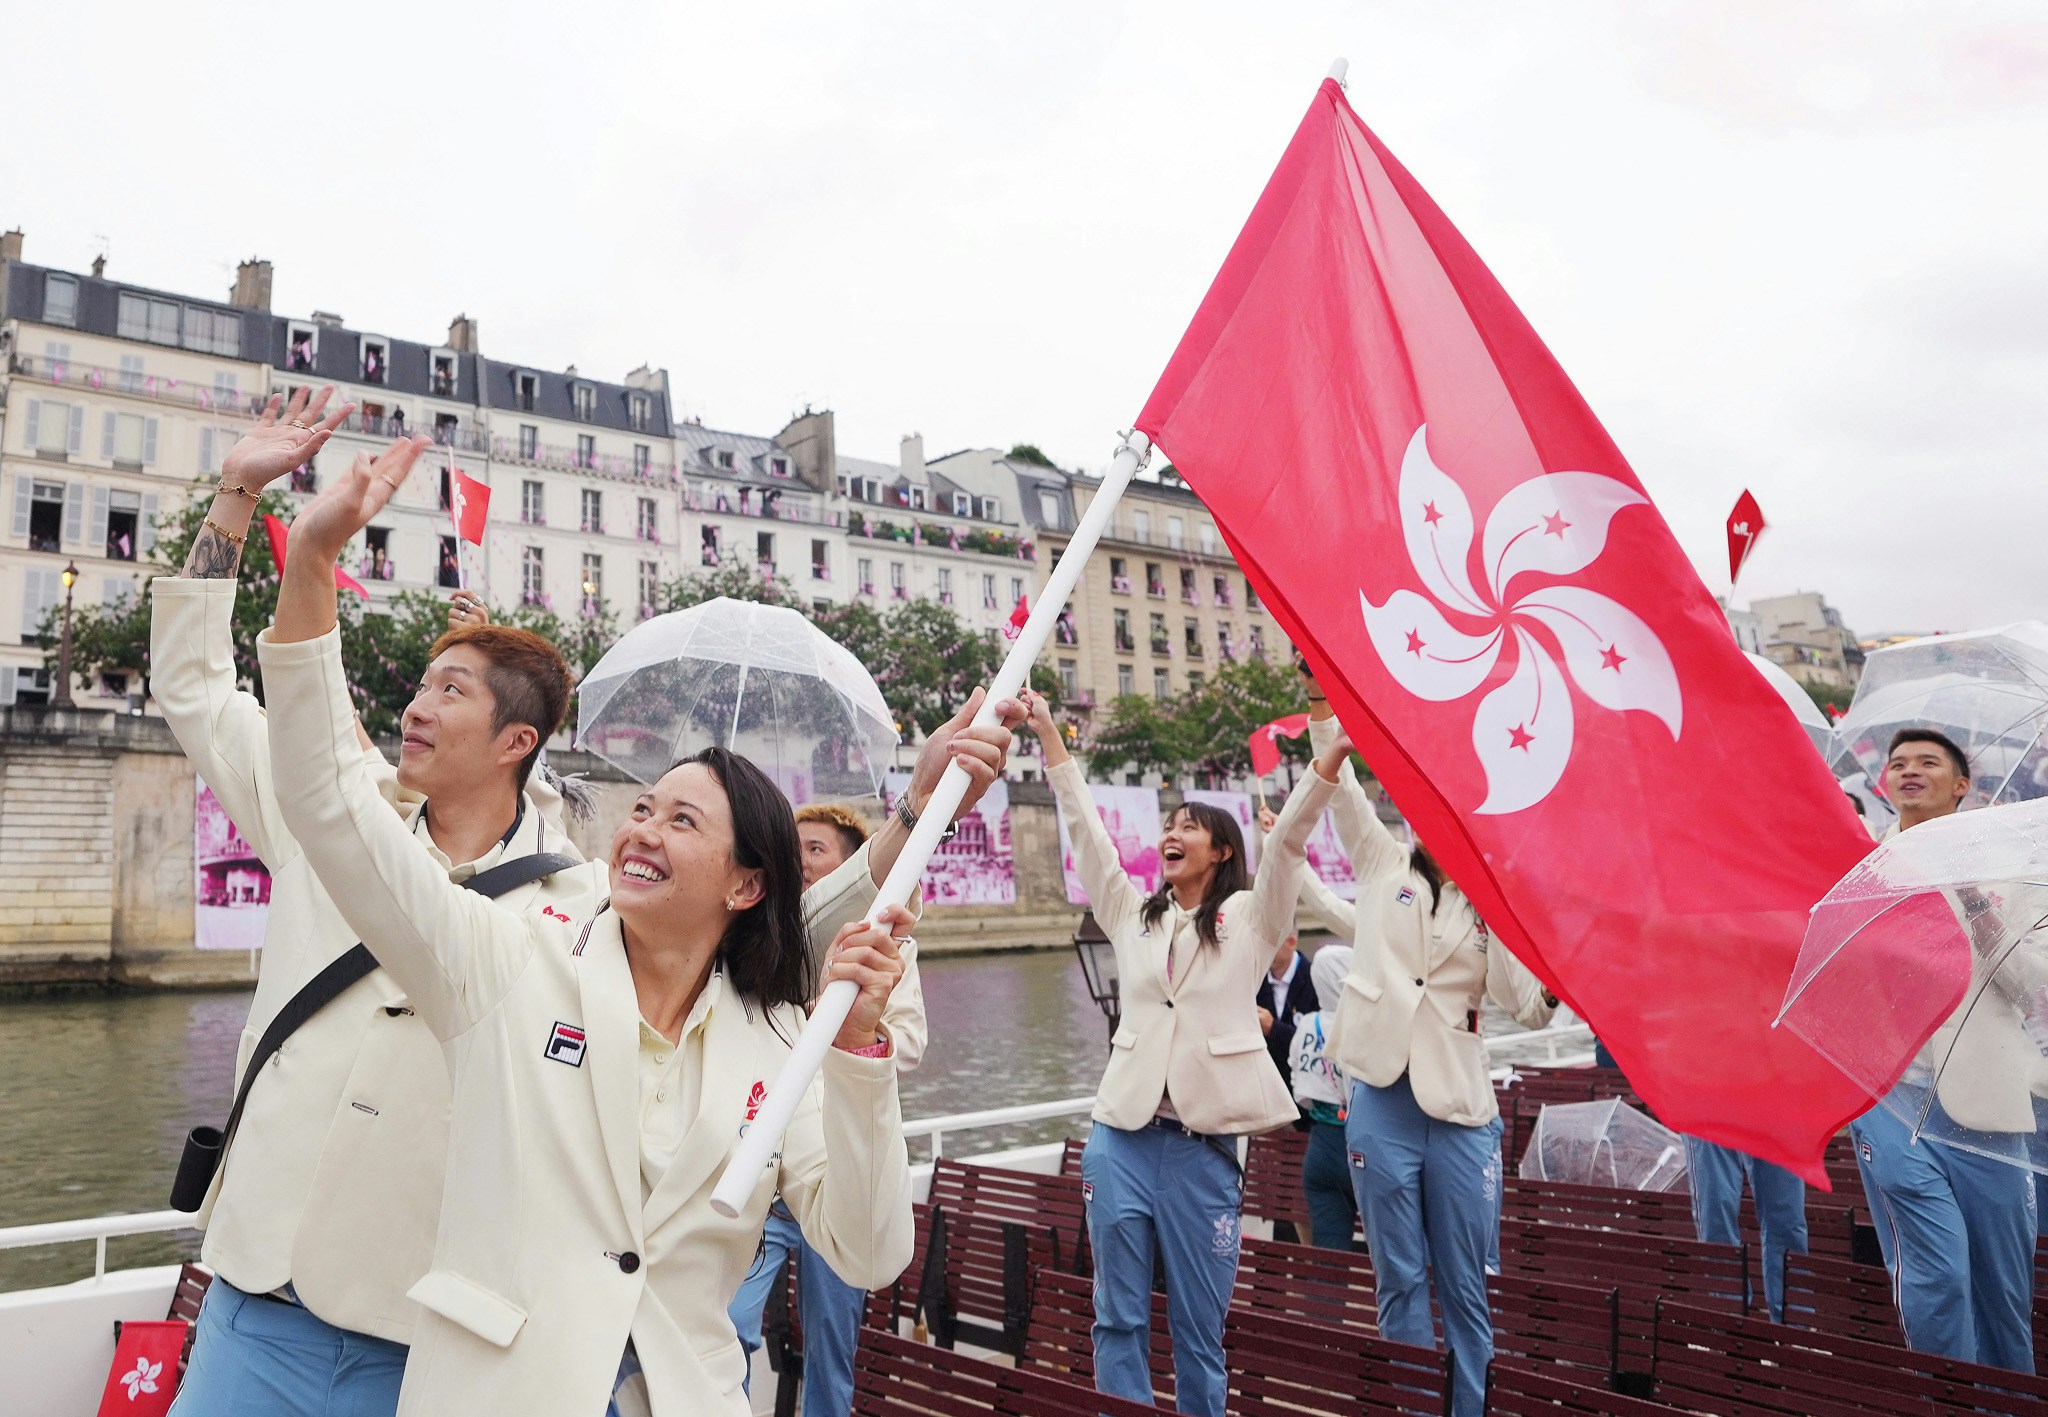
[1429, 1193]
[1181, 1196]
[830, 1310]
[1717, 1174]
[259, 1357]
[1957, 1230]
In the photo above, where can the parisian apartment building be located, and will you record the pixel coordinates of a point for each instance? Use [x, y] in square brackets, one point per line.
[118, 402]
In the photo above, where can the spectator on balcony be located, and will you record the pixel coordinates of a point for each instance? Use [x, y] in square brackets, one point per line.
[396, 423]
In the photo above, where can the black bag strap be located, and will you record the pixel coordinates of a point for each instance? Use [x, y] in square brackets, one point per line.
[327, 986]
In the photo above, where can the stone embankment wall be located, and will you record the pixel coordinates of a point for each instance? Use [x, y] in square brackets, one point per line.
[97, 874]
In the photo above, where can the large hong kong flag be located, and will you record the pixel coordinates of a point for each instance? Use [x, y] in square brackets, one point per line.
[1512, 635]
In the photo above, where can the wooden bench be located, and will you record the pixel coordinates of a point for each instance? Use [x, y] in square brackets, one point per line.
[1513, 1390]
[895, 1377]
[889, 1308]
[1840, 1297]
[1573, 1330]
[1328, 1288]
[1070, 1155]
[1664, 1213]
[186, 1299]
[1272, 1182]
[990, 1231]
[1061, 1337]
[1735, 1366]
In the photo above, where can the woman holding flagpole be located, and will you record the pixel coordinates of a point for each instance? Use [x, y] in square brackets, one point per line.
[1422, 1126]
[1188, 1069]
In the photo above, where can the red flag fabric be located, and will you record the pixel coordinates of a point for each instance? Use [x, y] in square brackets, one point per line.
[275, 530]
[1512, 635]
[144, 1375]
[1265, 750]
[1745, 524]
[469, 506]
[1014, 626]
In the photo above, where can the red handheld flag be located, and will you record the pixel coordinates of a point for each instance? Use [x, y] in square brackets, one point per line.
[1265, 750]
[1014, 626]
[1512, 635]
[1745, 524]
[144, 1377]
[275, 530]
[469, 506]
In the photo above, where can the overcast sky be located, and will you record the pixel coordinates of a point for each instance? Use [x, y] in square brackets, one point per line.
[1793, 246]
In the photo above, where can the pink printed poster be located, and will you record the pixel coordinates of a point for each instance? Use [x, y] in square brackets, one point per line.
[231, 887]
[976, 867]
[1131, 814]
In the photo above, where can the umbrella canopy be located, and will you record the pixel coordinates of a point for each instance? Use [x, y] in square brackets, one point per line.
[1604, 1143]
[758, 679]
[1988, 690]
[1818, 729]
[1924, 978]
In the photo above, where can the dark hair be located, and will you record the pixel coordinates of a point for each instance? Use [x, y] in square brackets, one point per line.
[528, 679]
[1936, 737]
[1424, 865]
[764, 952]
[1225, 881]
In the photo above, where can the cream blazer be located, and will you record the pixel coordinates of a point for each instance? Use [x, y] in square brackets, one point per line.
[1418, 977]
[547, 1260]
[333, 1181]
[1194, 1039]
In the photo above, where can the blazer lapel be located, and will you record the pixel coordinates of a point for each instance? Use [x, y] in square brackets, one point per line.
[721, 1108]
[611, 1015]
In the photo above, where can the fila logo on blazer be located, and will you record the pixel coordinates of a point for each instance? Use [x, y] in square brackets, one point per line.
[566, 1044]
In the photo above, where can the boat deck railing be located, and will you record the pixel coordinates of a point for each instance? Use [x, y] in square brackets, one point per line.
[1553, 1043]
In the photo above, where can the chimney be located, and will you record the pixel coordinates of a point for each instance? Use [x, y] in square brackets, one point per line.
[252, 285]
[99, 267]
[10, 246]
[911, 457]
[327, 319]
[462, 335]
[654, 381]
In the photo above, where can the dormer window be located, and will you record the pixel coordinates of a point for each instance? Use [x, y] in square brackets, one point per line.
[963, 505]
[60, 299]
[636, 410]
[726, 458]
[376, 361]
[301, 343]
[917, 498]
[779, 467]
[526, 387]
[444, 381]
[585, 399]
[992, 508]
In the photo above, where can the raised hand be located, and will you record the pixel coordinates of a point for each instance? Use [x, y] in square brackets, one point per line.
[871, 957]
[285, 436]
[348, 503]
[466, 608]
[981, 751]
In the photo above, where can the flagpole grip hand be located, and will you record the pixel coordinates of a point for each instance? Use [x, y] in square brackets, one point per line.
[465, 610]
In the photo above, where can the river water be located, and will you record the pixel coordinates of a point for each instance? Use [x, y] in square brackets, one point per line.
[102, 1088]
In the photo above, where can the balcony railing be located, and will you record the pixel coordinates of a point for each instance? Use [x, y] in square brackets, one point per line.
[71, 373]
[1161, 645]
[552, 455]
[467, 438]
[1126, 645]
[1120, 584]
[777, 510]
[1156, 589]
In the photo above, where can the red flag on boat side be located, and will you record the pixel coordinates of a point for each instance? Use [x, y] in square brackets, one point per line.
[1014, 626]
[469, 505]
[1745, 524]
[275, 530]
[1512, 635]
[1265, 747]
[144, 1377]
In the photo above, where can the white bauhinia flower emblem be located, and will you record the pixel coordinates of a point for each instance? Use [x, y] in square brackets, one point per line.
[142, 1377]
[1553, 524]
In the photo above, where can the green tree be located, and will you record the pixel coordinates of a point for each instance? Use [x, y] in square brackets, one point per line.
[1832, 701]
[1029, 453]
[1140, 734]
[1200, 732]
[733, 581]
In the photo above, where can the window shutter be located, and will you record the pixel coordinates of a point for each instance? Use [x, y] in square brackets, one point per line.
[77, 439]
[7, 686]
[74, 512]
[107, 437]
[145, 538]
[206, 450]
[33, 604]
[24, 488]
[96, 537]
[35, 418]
[149, 442]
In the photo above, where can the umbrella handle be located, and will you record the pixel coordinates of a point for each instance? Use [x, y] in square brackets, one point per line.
[757, 1149]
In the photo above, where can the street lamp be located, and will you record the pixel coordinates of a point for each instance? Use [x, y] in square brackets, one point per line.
[60, 697]
[1098, 967]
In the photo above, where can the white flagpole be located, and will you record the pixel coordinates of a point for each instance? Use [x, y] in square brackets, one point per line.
[454, 500]
[764, 1136]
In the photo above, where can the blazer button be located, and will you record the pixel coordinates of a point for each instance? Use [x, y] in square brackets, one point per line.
[628, 1262]
[1420, 985]
[1169, 1003]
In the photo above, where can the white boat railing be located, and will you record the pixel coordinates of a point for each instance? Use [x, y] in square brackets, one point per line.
[100, 1229]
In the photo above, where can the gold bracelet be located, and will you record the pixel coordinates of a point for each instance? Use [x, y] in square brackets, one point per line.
[226, 491]
[238, 540]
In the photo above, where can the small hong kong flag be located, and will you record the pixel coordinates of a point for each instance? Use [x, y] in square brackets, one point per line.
[1265, 745]
[275, 530]
[469, 504]
[1015, 625]
[144, 1375]
[1745, 525]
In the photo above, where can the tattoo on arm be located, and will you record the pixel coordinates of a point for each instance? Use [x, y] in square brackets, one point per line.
[213, 557]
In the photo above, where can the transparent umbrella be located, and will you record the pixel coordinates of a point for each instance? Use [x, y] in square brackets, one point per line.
[758, 679]
[1818, 729]
[1988, 690]
[1924, 978]
[1604, 1143]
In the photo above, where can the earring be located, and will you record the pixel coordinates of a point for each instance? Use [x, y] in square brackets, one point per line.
[729, 904]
